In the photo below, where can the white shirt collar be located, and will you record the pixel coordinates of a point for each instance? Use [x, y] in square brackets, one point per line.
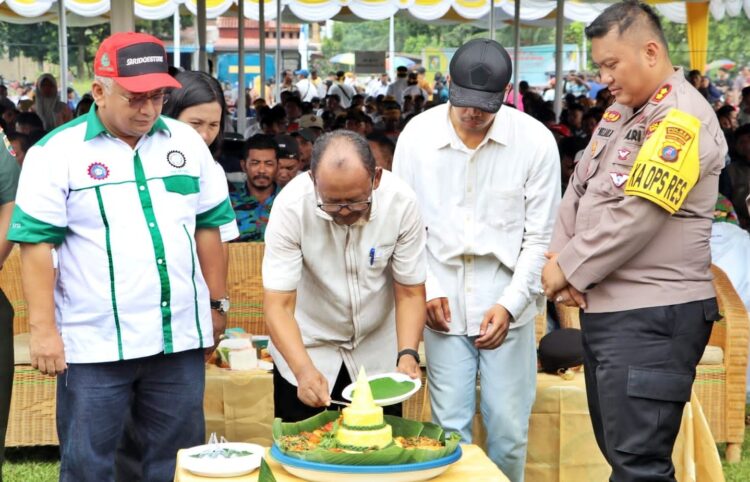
[498, 130]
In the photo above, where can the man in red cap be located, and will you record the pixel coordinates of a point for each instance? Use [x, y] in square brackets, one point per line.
[117, 214]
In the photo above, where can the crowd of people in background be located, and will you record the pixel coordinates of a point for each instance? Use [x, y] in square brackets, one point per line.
[283, 126]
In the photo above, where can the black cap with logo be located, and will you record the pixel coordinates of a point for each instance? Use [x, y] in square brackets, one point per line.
[480, 71]
[288, 147]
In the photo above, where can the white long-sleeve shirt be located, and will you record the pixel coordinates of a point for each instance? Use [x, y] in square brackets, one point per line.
[489, 212]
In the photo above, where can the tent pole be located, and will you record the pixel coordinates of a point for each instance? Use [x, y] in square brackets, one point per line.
[241, 104]
[262, 46]
[202, 58]
[279, 70]
[585, 53]
[560, 25]
[304, 40]
[516, 50]
[121, 16]
[392, 49]
[176, 38]
[492, 20]
[62, 32]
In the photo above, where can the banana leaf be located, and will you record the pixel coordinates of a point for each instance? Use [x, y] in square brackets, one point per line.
[390, 455]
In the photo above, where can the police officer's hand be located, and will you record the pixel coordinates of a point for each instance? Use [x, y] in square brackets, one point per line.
[438, 314]
[494, 328]
[553, 278]
[47, 351]
[571, 297]
[312, 388]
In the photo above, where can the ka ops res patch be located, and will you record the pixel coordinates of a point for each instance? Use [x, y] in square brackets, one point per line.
[668, 164]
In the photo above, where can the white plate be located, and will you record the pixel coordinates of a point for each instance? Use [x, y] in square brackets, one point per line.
[223, 467]
[399, 377]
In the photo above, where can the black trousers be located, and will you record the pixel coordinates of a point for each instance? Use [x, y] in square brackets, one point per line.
[290, 409]
[6, 370]
[639, 368]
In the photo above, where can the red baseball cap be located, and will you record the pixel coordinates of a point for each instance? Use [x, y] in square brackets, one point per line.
[136, 61]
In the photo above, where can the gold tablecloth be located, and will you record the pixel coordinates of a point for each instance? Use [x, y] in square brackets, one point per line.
[562, 446]
[474, 466]
[239, 405]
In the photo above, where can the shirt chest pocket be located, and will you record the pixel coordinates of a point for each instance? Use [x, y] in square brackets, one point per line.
[505, 208]
[182, 184]
[378, 257]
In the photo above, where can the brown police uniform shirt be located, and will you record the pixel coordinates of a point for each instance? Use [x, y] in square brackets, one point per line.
[628, 250]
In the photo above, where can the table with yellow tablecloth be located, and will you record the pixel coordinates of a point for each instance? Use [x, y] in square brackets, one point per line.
[474, 466]
[238, 405]
[562, 446]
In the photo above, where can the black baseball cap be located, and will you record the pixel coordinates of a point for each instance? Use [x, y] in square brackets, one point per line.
[480, 71]
[288, 147]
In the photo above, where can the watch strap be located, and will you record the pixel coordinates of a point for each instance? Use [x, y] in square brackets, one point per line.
[408, 351]
[219, 304]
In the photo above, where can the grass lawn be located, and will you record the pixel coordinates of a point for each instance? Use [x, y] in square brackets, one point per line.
[41, 464]
[738, 472]
[31, 464]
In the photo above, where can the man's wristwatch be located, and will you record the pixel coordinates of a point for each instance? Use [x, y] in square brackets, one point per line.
[407, 351]
[221, 305]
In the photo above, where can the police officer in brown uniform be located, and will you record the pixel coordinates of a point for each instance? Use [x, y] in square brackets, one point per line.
[631, 244]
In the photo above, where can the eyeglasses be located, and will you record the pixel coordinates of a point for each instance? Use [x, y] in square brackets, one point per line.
[137, 101]
[355, 207]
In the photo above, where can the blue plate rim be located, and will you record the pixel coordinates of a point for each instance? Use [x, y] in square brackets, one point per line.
[364, 469]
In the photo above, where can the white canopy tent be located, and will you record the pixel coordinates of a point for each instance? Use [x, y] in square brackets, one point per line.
[31, 11]
[123, 13]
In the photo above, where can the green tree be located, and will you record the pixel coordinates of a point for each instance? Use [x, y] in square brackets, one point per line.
[84, 43]
[727, 39]
[410, 36]
[22, 40]
[163, 29]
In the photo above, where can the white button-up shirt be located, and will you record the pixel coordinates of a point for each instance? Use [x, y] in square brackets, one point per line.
[344, 275]
[489, 212]
[129, 284]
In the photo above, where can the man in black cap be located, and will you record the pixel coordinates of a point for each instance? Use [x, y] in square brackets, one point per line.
[288, 165]
[488, 183]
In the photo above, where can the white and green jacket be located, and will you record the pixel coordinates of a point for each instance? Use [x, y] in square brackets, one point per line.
[123, 221]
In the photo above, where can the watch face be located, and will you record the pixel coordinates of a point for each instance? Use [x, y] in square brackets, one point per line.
[220, 305]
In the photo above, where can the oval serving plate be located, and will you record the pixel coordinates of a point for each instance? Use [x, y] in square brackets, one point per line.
[220, 466]
[399, 377]
[318, 472]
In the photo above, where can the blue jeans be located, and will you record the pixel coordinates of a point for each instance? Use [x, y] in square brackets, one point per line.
[508, 381]
[164, 394]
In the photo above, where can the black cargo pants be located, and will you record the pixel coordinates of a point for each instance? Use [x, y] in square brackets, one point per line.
[640, 366]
